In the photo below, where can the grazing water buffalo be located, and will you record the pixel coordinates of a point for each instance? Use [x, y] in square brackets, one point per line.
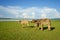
[24, 22]
[42, 22]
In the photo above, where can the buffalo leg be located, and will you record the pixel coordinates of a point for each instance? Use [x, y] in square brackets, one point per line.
[41, 27]
[49, 28]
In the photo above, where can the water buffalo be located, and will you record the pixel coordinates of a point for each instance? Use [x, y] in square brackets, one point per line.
[42, 22]
[24, 22]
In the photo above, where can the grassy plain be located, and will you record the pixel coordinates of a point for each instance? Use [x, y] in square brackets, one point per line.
[11, 30]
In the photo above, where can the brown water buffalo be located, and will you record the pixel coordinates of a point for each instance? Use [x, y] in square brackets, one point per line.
[24, 22]
[36, 22]
[42, 22]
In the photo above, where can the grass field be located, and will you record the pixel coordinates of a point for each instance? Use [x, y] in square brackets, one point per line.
[13, 31]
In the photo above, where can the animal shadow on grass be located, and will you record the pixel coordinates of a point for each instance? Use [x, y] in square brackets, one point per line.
[52, 28]
[28, 26]
[44, 28]
[31, 26]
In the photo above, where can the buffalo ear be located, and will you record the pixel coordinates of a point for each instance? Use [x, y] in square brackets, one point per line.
[35, 20]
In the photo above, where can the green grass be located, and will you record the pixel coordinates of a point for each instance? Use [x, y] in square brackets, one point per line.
[13, 31]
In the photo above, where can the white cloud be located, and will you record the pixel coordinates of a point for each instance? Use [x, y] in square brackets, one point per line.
[46, 10]
[1, 15]
[25, 15]
[43, 16]
[51, 12]
[57, 15]
[33, 15]
[11, 10]
[19, 12]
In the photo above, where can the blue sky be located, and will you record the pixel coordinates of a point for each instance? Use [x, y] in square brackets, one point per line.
[29, 9]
